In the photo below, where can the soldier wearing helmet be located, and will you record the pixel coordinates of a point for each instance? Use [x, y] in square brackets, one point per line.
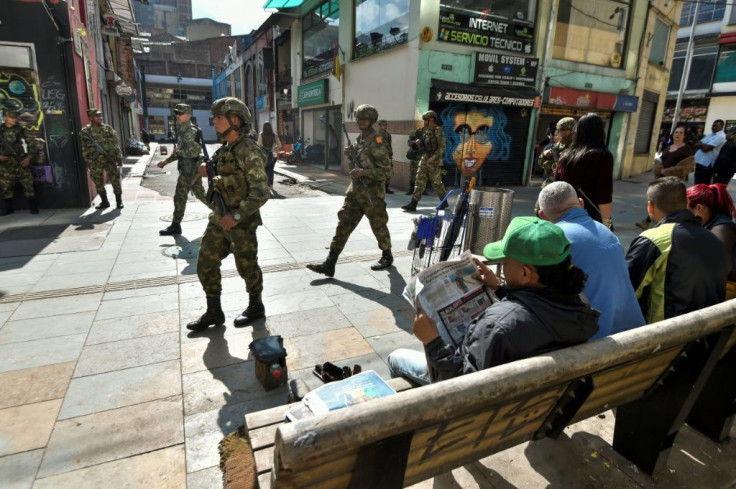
[383, 132]
[187, 150]
[548, 159]
[15, 162]
[101, 152]
[430, 164]
[242, 186]
[365, 195]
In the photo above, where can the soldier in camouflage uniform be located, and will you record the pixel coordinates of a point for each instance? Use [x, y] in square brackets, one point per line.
[15, 162]
[187, 151]
[383, 132]
[365, 195]
[415, 142]
[430, 166]
[240, 188]
[548, 159]
[101, 151]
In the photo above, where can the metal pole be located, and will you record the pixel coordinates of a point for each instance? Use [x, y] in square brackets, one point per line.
[685, 70]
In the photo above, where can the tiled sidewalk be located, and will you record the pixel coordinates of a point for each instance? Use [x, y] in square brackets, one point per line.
[102, 386]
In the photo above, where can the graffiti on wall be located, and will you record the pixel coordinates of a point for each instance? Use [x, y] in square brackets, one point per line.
[53, 97]
[19, 91]
[475, 135]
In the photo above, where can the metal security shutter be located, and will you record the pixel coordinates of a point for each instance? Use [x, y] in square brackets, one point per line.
[647, 112]
[511, 147]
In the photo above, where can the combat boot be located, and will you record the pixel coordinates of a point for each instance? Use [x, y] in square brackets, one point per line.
[411, 189]
[213, 316]
[411, 206]
[32, 205]
[119, 201]
[104, 203]
[254, 311]
[386, 260]
[8, 207]
[326, 268]
[172, 230]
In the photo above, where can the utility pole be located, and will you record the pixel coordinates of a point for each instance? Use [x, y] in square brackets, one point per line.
[685, 70]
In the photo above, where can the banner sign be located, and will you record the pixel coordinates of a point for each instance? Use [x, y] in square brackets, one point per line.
[589, 99]
[483, 31]
[506, 70]
[313, 93]
[473, 95]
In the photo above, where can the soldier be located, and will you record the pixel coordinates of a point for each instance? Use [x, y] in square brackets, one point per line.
[15, 162]
[365, 195]
[187, 151]
[415, 142]
[236, 195]
[383, 132]
[430, 166]
[548, 159]
[101, 151]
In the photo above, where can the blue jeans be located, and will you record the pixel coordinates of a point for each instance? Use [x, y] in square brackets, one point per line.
[410, 364]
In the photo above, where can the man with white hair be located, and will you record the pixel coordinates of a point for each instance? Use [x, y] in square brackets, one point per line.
[598, 252]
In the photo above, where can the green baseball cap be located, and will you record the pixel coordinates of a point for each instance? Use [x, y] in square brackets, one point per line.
[531, 241]
[182, 109]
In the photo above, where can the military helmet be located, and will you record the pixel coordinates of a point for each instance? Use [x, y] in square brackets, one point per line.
[182, 109]
[231, 105]
[366, 111]
[11, 113]
[93, 112]
[430, 114]
[382, 121]
[565, 123]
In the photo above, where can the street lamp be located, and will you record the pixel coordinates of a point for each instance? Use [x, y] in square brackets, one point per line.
[178, 86]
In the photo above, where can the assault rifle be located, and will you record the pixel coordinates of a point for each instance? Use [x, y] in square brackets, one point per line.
[11, 152]
[99, 149]
[211, 194]
[356, 161]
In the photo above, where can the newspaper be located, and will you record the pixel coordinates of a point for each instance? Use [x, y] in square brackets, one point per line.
[448, 293]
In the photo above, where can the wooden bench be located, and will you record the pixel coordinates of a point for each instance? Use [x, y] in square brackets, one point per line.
[652, 375]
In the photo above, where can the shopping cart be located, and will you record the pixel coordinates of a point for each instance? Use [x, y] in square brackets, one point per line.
[440, 237]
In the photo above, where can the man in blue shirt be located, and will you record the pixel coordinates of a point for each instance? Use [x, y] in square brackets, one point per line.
[707, 152]
[598, 252]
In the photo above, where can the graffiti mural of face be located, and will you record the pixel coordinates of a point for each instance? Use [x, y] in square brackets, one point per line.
[472, 128]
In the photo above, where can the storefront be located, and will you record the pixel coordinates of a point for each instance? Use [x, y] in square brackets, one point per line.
[486, 129]
[320, 123]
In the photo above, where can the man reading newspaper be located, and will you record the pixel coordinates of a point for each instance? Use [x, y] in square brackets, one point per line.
[541, 308]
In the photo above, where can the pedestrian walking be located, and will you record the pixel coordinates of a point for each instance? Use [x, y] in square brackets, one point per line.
[383, 132]
[430, 165]
[187, 151]
[15, 162]
[414, 154]
[707, 152]
[548, 159]
[236, 194]
[365, 195]
[269, 141]
[101, 152]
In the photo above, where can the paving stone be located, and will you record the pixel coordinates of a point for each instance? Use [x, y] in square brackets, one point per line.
[90, 440]
[123, 354]
[383, 345]
[140, 292]
[27, 427]
[205, 479]
[18, 471]
[217, 351]
[296, 301]
[40, 328]
[31, 385]
[334, 346]
[382, 321]
[56, 306]
[36, 353]
[308, 322]
[361, 284]
[121, 388]
[160, 469]
[133, 327]
[138, 305]
[70, 281]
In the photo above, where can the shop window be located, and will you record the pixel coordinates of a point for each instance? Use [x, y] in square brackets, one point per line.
[319, 36]
[659, 41]
[591, 31]
[726, 69]
[156, 125]
[379, 25]
[701, 67]
[710, 11]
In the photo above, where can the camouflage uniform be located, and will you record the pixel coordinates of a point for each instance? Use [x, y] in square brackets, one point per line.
[98, 162]
[11, 169]
[187, 152]
[241, 181]
[434, 147]
[374, 159]
[549, 164]
[414, 164]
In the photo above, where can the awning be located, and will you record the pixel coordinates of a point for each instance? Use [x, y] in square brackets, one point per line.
[727, 38]
[443, 91]
[283, 3]
[589, 99]
[124, 15]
